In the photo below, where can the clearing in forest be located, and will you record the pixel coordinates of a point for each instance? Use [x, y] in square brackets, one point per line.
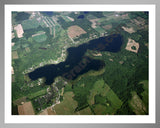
[75, 31]
[132, 46]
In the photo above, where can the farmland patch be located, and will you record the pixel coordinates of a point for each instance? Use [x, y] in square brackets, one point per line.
[75, 31]
[132, 45]
[26, 109]
[67, 106]
[40, 38]
[15, 55]
[30, 24]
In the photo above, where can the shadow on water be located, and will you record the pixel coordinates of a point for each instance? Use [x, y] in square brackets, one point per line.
[77, 63]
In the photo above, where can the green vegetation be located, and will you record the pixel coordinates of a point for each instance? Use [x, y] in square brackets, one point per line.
[40, 38]
[99, 29]
[30, 24]
[20, 16]
[67, 106]
[36, 94]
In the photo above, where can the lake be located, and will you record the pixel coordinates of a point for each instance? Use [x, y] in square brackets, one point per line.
[76, 62]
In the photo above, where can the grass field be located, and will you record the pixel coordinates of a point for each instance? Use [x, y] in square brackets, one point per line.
[137, 104]
[144, 94]
[40, 38]
[86, 111]
[36, 94]
[100, 109]
[111, 104]
[99, 29]
[29, 24]
[66, 18]
[15, 55]
[67, 106]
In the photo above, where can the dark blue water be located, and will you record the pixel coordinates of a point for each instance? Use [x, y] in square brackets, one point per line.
[80, 17]
[48, 13]
[86, 12]
[77, 63]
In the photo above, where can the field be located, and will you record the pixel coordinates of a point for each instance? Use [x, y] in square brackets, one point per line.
[75, 31]
[86, 111]
[19, 101]
[19, 30]
[144, 94]
[99, 29]
[30, 24]
[103, 92]
[132, 43]
[107, 27]
[27, 49]
[36, 94]
[129, 30]
[40, 38]
[67, 106]
[26, 109]
[67, 19]
[15, 55]
[137, 104]
[100, 109]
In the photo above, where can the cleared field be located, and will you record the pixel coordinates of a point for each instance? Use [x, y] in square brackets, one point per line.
[27, 49]
[39, 33]
[107, 27]
[98, 88]
[40, 38]
[99, 29]
[131, 43]
[36, 94]
[129, 30]
[113, 102]
[15, 55]
[75, 31]
[94, 22]
[113, 98]
[12, 70]
[86, 111]
[66, 18]
[67, 106]
[19, 101]
[50, 111]
[19, 30]
[30, 24]
[26, 109]
[145, 93]
[100, 109]
[45, 112]
[137, 104]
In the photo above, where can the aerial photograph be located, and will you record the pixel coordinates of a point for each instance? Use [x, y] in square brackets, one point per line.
[80, 63]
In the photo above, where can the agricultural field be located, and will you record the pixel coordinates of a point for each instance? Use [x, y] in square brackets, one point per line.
[67, 106]
[15, 55]
[26, 109]
[75, 31]
[40, 38]
[30, 24]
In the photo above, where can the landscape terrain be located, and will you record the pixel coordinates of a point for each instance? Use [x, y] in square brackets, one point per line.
[80, 63]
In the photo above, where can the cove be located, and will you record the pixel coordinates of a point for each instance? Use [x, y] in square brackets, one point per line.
[76, 62]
